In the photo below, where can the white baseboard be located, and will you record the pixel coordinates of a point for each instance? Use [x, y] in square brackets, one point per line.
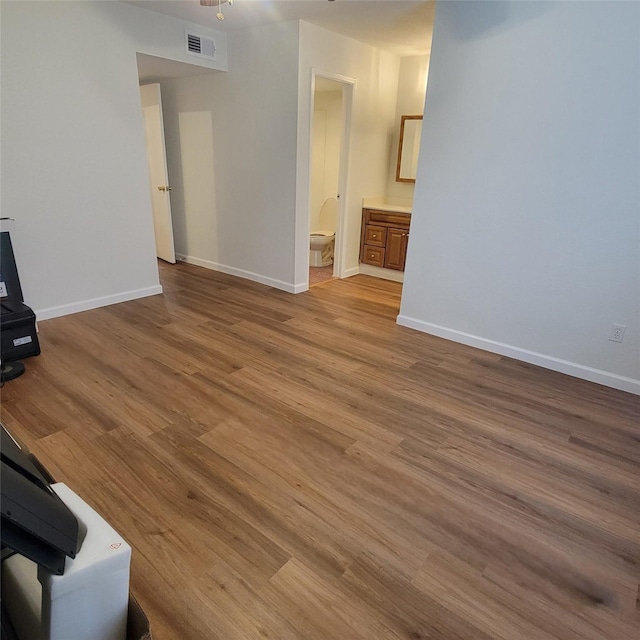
[94, 303]
[300, 288]
[347, 273]
[379, 272]
[241, 273]
[548, 362]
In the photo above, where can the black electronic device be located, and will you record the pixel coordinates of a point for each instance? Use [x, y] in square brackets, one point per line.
[10, 289]
[18, 334]
[35, 521]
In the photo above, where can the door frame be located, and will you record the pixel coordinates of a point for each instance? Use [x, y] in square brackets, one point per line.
[348, 85]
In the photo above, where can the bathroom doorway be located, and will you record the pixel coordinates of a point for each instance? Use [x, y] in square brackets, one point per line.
[328, 180]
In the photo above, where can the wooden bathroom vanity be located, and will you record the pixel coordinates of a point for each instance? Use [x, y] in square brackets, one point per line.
[384, 239]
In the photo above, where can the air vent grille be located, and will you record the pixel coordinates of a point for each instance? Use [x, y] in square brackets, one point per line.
[200, 46]
[194, 44]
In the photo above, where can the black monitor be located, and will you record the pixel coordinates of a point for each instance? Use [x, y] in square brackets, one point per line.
[35, 521]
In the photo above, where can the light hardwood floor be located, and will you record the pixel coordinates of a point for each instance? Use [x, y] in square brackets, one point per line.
[300, 467]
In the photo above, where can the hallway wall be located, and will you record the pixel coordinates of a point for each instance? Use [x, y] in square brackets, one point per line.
[525, 235]
[189, 133]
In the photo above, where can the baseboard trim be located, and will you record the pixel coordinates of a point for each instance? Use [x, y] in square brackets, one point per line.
[95, 303]
[301, 288]
[241, 273]
[347, 273]
[548, 362]
[379, 272]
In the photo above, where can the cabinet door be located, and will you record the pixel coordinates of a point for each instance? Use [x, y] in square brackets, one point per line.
[396, 249]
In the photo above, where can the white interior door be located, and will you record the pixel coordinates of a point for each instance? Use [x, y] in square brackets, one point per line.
[158, 176]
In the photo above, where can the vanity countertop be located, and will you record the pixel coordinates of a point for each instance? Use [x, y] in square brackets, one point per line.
[384, 206]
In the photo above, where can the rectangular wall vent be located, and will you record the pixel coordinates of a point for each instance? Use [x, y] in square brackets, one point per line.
[200, 46]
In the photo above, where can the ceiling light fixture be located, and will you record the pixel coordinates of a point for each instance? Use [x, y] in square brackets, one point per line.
[213, 3]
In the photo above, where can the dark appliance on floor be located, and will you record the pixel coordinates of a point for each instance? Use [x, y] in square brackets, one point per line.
[18, 336]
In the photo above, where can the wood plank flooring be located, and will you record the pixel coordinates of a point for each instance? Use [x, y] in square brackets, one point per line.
[300, 467]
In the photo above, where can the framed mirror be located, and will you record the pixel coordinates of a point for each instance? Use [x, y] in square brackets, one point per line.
[408, 148]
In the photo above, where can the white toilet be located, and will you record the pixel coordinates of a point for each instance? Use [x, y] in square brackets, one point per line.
[323, 235]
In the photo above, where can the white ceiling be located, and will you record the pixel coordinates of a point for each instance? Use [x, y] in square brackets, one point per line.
[401, 26]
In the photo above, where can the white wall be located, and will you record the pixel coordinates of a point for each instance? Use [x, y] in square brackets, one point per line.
[373, 111]
[74, 171]
[189, 125]
[412, 84]
[525, 230]
[235, 200]
[256, 132]
[326, 141]
[245, 223]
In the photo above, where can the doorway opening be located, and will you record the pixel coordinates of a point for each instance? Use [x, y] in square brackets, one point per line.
[178, 124]
[330, 123]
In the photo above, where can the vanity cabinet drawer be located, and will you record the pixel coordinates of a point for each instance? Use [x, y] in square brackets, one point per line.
[388, 218]
[373, 256]
[375, 236]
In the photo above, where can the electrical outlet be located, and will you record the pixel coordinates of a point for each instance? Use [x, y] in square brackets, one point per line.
[617, 332]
